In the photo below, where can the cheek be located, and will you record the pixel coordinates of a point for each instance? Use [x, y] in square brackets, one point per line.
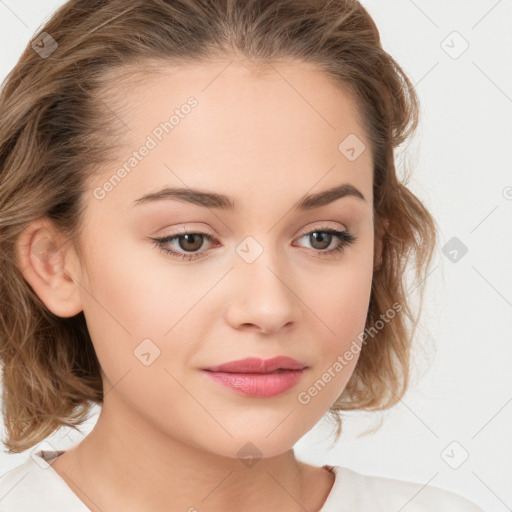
[130, 288]
[139, 336]
[123, 307]
[139, 312]
[340, 300]
[340, 318]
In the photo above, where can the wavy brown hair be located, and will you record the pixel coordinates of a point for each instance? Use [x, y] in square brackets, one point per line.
[55, 131]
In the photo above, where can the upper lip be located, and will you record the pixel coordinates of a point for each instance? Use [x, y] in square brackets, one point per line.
[257, 365]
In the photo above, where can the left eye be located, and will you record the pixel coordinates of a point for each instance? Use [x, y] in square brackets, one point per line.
[193, 241]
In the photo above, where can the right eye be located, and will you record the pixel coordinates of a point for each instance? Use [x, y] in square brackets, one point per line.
[192, 241]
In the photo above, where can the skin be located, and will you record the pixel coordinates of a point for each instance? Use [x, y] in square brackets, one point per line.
[167, 437]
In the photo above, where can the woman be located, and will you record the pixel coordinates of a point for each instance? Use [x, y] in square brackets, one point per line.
[204, 234]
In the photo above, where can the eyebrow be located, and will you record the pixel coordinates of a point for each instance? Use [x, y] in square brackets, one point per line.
[220, 201]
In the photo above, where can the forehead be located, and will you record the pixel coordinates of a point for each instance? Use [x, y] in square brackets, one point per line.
[235, 126]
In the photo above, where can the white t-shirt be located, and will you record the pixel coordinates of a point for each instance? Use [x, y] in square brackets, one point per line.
[35, 487]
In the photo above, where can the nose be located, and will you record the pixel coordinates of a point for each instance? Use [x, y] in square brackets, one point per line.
[264, 297]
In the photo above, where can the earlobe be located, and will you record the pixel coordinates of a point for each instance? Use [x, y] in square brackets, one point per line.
[40, 255]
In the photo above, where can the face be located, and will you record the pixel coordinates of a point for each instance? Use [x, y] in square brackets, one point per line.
[256, 273]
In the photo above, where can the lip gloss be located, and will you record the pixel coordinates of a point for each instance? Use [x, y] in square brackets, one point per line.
[258, 384]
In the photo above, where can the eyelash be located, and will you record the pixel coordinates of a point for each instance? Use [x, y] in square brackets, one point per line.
[344, 237]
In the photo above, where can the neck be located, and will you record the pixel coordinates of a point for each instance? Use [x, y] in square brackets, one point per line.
[127, 464]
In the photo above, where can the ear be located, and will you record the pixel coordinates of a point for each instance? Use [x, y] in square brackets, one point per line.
[379, 244]
[41, 257]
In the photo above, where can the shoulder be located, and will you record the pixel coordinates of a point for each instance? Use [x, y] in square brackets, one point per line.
[34, 485]
[370, 492]
[22, 487]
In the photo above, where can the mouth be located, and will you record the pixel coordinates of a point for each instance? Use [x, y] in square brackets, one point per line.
[258, 385]
[279, 370]
[254, 365]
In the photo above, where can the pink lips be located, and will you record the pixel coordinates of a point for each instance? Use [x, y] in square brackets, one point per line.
[258, 377]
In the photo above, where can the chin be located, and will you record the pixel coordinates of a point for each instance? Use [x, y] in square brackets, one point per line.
[252, 446]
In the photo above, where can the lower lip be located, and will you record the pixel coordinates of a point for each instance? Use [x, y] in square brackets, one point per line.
[258, 384]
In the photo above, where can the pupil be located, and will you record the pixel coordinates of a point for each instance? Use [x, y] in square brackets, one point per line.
[194, 246]
[195, 240]
[318, 235]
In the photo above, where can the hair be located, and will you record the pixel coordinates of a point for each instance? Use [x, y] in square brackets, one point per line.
[55, 131]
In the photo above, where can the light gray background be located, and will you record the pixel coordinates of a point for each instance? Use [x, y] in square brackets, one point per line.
[462, 158]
